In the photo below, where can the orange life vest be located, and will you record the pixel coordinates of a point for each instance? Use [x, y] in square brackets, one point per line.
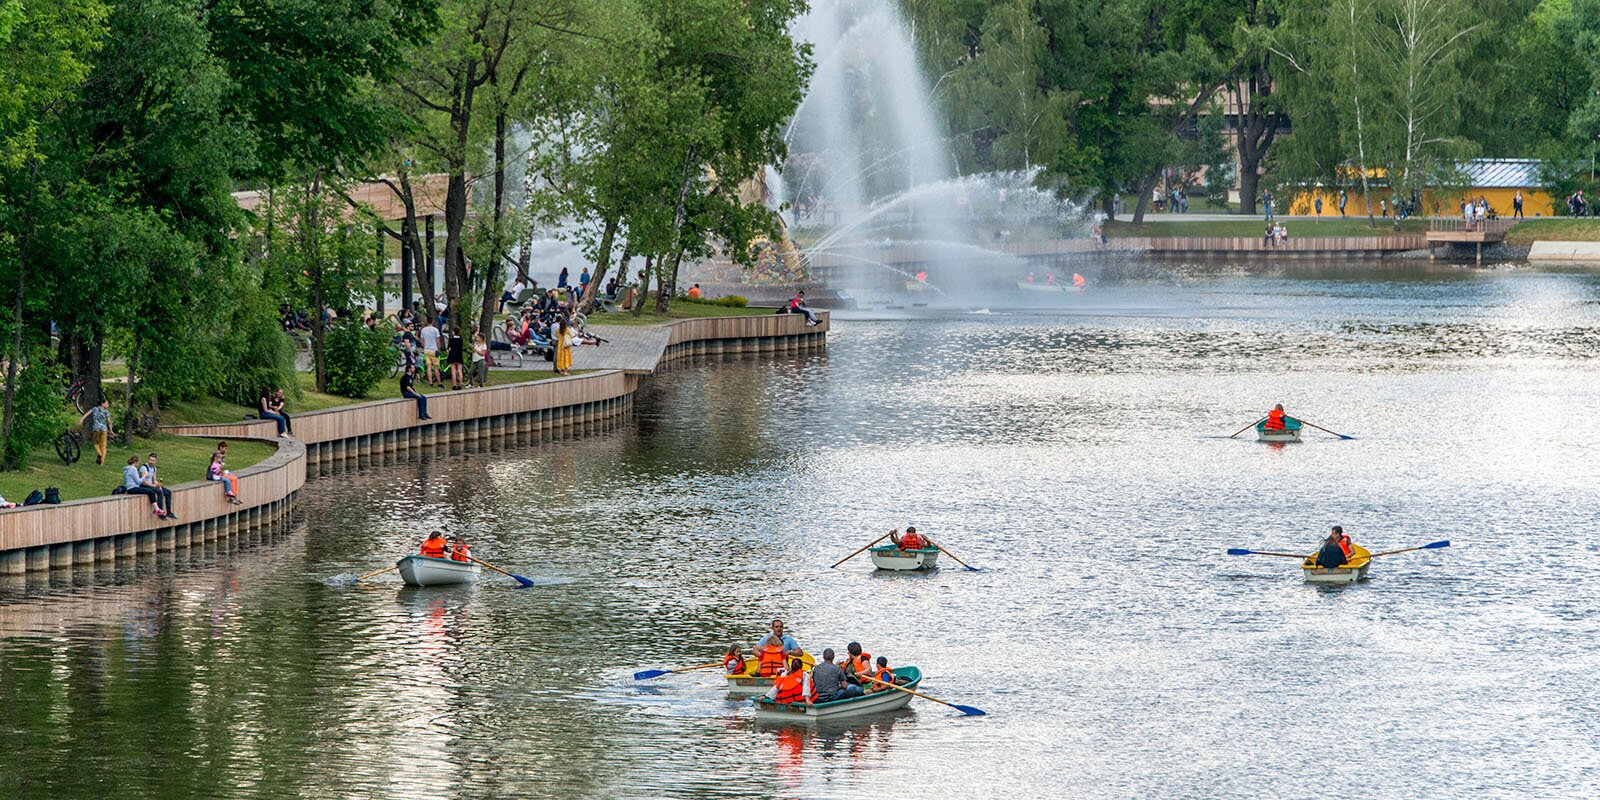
[886, 675]
[433, 548]
[791, 688]
[912, 541]
[1274, 420]
[460, 552]
[862, 664]
[1344, 544]
[770, 659]
[733, 665]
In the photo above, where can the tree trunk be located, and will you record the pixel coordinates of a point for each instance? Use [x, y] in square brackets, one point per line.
[1249, 185]
[491, 278]
[1144, 196]
[457, 281]
[608, 239]
[644, 286]
[128, 413]
[93, 351]
[669, 280]
[309, 239]
[14, 351]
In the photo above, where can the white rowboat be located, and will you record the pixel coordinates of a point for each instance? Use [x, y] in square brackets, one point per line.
[891, 557]
[425, 571]
[1289, 433]
[1354, 570]
[870, 703]
[1055, 288]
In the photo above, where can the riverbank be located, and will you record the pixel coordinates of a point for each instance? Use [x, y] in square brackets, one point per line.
[330, 440]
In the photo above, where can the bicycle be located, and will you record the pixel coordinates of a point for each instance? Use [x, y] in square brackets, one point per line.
[75, 394]
[69, 447]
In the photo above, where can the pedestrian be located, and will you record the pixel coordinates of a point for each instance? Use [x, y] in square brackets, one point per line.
[99, 421]
[1318, 205]
[1516, 205]
[453, 356]
[1383, 207]
[480, 360]
[430, 353]
[1342, 200]
[1266, 203]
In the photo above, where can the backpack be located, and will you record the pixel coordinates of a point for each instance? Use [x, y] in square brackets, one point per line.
[52, 496]
[120, 489]
[34, 498]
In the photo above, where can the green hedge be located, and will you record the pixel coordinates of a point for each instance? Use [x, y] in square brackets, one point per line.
[728, 301]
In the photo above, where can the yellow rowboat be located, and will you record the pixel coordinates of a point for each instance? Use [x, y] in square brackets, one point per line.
[1354, 570]
[747, 683]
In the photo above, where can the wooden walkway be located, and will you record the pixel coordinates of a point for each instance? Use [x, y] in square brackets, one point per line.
[631, 348]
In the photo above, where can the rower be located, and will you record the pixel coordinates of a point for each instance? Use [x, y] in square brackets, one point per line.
[882, 673]
[459, 551]
[1332, 554]
[828, 682]
[1344, 541]
[1275, 419]
[1049, 279]
[733, 660]
[433, 546]
[793, 685]
[772, 649]
[1030, 277]
[1077, 280]
[911, 541]
[858, 664]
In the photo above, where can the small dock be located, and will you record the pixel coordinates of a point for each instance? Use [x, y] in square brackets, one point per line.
[1450, 231]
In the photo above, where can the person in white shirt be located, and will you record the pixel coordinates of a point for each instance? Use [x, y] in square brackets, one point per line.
[430, 352]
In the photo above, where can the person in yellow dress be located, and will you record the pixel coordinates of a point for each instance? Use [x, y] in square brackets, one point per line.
[563, 346]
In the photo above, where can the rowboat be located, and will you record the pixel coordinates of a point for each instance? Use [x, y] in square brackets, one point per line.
[1290, 432]
[870, 703]
[425, 571]
[1056, 288]
[744, 684]
[891, 557]
[1354, 570]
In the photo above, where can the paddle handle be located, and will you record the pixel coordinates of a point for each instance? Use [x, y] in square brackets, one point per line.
[490, 566]
[899, 688]
[1324, 430]
[1248, 427]
[864, 549]
[379, 572]
[948, 553]
[1408, 549]
[699, 666]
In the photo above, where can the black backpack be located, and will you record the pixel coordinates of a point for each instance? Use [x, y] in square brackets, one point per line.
[52, 496]
[34, 498]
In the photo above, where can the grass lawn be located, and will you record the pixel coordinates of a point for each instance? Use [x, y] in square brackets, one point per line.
[1554, 229]
[212, 410]
[679, 309]
[1254, 227]
[183, 459]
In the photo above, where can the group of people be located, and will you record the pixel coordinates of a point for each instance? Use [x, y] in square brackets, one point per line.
[270, 405]
[142, 479]
[218, 471]
[778, 656]
[1475, 212]
[1275, 235]
[455, 549]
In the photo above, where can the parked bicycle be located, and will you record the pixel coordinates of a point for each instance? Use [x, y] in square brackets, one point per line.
[75, 395]
[69, 446]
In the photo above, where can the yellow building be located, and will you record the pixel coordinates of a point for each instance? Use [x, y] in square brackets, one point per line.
[1496, 180]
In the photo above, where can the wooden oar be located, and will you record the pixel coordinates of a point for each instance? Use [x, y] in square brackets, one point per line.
[952, 555]
[1433, 546]
[519, 579]
[360, 578]
[645, 675]
[968, 710]
[864, 549]
[1325, 430]
[1239, 551]
[1248, 427]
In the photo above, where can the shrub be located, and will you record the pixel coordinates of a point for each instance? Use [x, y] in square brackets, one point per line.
[258, 353]
[728, 301]
[356, 358]
[38, 415]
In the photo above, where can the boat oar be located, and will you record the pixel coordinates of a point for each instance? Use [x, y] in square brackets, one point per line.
[360, 578]
[968, 710]
[518, 578]
[1239, 551]
[952, 555]
[864, 549]
[1325, 430]
[1433, 546]
[1248, 427]
[645, 675]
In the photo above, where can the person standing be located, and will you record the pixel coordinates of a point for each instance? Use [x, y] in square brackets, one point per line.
[561, 280]
[430, 353]
[563, 345]
[408, 388]
[480, 360]
[1266, 203]
[1383, 207]
[1516, 205]
[1342, 200]
[1318, 205]
[99, 421]
[453, 356]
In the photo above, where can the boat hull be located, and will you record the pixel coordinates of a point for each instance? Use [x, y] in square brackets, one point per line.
[424, 571]
[893, 558]
[874, 703]
[1355, 570]
[1285, 435]
[747, 684]
[1050, 288]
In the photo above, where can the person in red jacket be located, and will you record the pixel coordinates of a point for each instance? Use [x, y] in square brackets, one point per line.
[910, 541]
[433, 546]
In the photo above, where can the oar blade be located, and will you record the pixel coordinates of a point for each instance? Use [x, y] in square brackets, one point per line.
[1436, 545]
[1239, 551]
[650, 673]
[969, 710]
[971, 568]
[524, 581]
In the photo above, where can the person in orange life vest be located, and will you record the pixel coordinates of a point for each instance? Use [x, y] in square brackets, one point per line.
[772, 649]
[459, 551]
[1332, 553]
[1030, 277]
[694, 292]
[911, 541]
[1077, 280]
[1344, 541]
[859, 663]
[882, 673]
[733, 660]
[433, 546]
[793, 685]
[1050, 279]
[1275, 418]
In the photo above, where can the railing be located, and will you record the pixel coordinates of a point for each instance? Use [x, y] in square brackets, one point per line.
[1461, 225]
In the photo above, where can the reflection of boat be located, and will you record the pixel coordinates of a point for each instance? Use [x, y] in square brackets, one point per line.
[1290, 432]
[871, 703]
[748, 683]
[891, 557]
[1054, 288]
[1354, 570]
[424, 571]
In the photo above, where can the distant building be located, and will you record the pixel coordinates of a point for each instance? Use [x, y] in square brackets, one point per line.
[1497, 180]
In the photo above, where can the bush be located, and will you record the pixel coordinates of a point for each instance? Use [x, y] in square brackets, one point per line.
[38, 415]
[356, 358]
[729, 301]
[258, 353]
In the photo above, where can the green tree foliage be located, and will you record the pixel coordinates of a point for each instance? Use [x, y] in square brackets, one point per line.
[358, 357]
[40, 416]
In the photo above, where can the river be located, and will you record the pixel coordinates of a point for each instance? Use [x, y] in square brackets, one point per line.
[1078, 454]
